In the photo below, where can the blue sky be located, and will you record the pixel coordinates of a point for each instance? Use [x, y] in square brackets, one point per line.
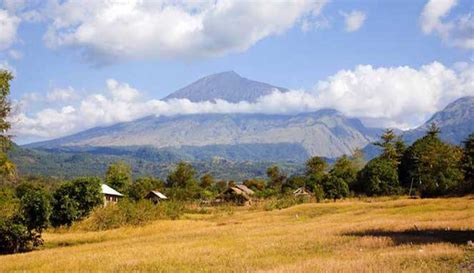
[313, 45]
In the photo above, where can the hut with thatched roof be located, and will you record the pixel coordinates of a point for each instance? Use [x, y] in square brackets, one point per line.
[302, 191]
[238, 194]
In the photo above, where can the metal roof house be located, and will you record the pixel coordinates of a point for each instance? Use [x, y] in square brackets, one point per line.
[110, 195]
[156, 196]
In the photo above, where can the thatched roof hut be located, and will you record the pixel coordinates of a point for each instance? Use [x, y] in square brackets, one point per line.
[239, 194]
[302, 191]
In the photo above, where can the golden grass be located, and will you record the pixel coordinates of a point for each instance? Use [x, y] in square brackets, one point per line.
[377, 235]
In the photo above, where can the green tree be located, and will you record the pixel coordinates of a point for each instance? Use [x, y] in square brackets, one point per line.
[315, 172]
[75, 200]
[142, 186]
[276, 177]
[15, 237]
[392, 146]
[294, 182]
[335, 187]
[35, 207]
[182, 176]
[24, 218]
[64, 209]
[183, 183]
[220, 186]
[207, 180]
[468, 165]
[345, 169]
[315, 166]
[378, 177]
[7, 168]
[432, 166]
[255, 184]
[119, 176]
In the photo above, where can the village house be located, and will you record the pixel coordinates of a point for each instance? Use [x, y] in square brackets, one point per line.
[239, 194]
[302, 191]
[156, 196]
[111, 196]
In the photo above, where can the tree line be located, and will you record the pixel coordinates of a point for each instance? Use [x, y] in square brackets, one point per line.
[429, 168]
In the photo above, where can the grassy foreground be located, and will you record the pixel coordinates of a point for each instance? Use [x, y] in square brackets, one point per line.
[377, 235]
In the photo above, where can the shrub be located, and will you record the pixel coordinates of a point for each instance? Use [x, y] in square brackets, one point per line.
[284, 202]
[75, 200]
[35, 208]
[335, 188]
[131, 213]
[15, 237]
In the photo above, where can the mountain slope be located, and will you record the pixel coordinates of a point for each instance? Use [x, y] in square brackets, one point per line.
[456, 122]
[228, 86]
[325, 133]
[68, 164]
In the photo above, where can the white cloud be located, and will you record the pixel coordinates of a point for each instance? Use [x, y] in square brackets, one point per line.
[8, 28]
[15, 54]
[401, 96]
[458, 32]
[354, 20]
[319, 23]
[61, 94]
[108, 31]
[395, 97]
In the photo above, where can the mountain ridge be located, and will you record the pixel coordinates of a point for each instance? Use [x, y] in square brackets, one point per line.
[456, 122]
[325, 132]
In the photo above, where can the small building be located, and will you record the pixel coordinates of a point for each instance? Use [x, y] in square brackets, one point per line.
[156, 196]
[302, 191]
[239, 194]
[110, 195]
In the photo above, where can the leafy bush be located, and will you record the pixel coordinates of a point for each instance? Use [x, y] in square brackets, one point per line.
[15, 237]
[75, 200]
[23, 218]
[335, 187]
[284, 202]
[130, 213]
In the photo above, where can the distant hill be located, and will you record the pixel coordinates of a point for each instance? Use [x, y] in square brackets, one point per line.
[456, 122]
[326, 133]
[147, 161]
[228, 86]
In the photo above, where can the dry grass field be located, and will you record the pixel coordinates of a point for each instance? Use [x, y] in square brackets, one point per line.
[371, 235]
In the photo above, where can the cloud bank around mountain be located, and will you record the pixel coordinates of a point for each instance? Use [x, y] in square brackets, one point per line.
[401, 97]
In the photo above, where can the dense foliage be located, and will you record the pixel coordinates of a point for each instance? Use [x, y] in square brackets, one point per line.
[431, 166]
[74, 200]
[119, 176]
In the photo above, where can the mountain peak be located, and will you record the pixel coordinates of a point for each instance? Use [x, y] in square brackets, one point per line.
[227, 85]
[456, 122]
